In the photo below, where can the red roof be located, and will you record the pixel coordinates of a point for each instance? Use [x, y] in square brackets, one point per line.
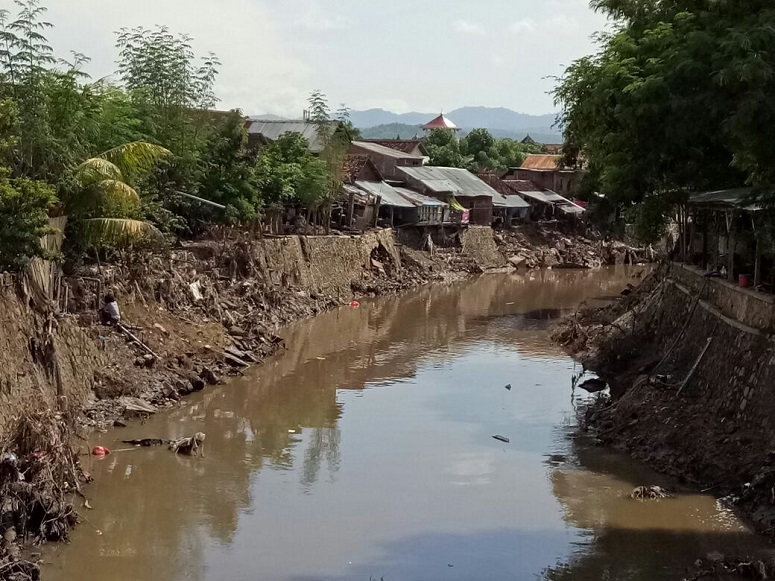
[440, 122]
[544, 162]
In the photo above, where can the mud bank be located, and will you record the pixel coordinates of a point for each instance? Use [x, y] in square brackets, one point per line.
[691, 364]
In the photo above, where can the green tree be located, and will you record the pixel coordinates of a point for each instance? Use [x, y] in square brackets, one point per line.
[104, 203]
[444, 148]
[228, 174]
[336, 139]
[24, 207]
[287, 172]
[678, 99]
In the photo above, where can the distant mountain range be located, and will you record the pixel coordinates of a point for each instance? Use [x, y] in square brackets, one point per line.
[381, 124]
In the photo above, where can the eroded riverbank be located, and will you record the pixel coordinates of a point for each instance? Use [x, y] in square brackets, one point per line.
[366, 450]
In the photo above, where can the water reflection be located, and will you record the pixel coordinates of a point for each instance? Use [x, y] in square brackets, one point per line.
[366, 450]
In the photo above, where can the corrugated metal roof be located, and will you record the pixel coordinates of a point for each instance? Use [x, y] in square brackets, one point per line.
[390, 197]
[418, 199]
[384, 151]
[736, 197]
[554, 197]
[403, 145]
[515, 202]
[539, 161]
[571, 208]
[273, 130]
[540, 196]
[360, 196]
[510, 196]
[449, 180]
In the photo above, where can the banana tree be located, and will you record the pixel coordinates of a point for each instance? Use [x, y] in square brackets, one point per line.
[104, 192]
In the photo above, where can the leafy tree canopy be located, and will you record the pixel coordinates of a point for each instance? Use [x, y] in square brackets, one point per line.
[680, 97]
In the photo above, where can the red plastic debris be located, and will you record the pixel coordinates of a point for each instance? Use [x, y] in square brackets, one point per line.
[100, 451]
[355, 304]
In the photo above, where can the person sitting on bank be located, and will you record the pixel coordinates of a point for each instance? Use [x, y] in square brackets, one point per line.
[109, 313]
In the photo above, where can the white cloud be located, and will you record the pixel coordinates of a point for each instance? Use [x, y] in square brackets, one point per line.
[467, 27]
[524, 25]
[257, 73]
[319, 22]
[561, 23]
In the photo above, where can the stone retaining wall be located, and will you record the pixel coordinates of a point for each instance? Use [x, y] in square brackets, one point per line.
[747, 306]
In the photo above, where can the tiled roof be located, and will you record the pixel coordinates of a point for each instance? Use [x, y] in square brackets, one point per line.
[353, 166]
[521, 186]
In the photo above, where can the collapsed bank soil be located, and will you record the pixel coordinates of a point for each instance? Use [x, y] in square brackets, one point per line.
[199, 313]
[691, 388]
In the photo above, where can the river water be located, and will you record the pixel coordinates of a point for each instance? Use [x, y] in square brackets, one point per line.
[366, 452]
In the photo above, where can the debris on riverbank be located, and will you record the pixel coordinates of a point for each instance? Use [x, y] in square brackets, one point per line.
[561, 246]
[718, 566]
[39, 476]
[210, 309]
[649, 493]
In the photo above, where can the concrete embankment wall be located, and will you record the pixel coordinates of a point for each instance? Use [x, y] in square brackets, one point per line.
[325, 264]
[692, 366]
[736, 375]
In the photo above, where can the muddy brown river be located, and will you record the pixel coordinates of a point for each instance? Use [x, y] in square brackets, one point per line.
[366, 451]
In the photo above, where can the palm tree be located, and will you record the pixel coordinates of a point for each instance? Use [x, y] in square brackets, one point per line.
[104, 182]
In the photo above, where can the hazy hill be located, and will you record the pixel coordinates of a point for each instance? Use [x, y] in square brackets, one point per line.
[502, 122]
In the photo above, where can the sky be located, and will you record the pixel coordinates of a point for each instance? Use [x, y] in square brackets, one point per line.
[399, 55]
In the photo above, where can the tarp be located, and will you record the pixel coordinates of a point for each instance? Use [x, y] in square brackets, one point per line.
[455, 205]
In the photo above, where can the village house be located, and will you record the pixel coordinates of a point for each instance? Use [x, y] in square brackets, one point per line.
[261, 133]
[357, 207]
[544, 204]
[457, 187]
[724, 232]
[366, 195]
[516, 209]
[387, 159]
[409, 146]
[546, 171]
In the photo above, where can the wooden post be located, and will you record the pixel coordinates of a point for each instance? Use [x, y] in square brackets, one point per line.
[350, 209]
[705, 219]
[731, 247]
[757, 269]
[376, 211]
[392, 215]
